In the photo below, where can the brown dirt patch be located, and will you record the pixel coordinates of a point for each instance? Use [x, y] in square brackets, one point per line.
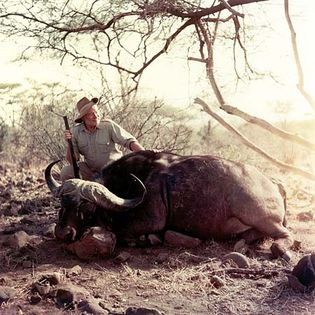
[172, 281]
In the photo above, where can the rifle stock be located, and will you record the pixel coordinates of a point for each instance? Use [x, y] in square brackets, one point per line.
[76, 169]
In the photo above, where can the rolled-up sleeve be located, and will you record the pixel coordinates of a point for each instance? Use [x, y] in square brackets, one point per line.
[121, 136]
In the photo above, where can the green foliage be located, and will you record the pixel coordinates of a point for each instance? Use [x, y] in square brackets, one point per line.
[38, 135]
[9, 86]
[34, 132]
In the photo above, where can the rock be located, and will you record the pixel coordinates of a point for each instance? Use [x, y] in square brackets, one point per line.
[49, 231]
[19, 239]
[64, 298]
[177, 239]
[122, 257]
[297, 245]
[95, 242]
[239, 259]
[66, 295]
[91, 306]
[217, 282]
[45, 282]
[74, 271]
[6, 293]
[304, 273]
[295, 284]
[141, 311]
[34, 298]
[53, 278]
[154, 239]
[42, 287]
[241, 247]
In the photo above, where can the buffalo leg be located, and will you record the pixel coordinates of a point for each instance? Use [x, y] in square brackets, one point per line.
[142, 223]
[251, 236]
[283, 239]
[281, 235]
[233, 226]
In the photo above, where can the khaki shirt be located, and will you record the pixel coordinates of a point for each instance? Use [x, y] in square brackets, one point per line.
[100, 147]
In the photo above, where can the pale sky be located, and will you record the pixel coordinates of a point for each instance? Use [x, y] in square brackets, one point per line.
[178, 82]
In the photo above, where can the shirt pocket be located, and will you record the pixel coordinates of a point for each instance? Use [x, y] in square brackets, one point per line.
[83, 145]
[103, 143]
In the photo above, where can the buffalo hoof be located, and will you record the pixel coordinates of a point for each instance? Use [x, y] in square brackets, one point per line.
[303, 274]
[95, 242]
[278, 252]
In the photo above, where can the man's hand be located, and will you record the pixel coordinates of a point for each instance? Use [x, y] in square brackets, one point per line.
[135, 146]
[67, 135]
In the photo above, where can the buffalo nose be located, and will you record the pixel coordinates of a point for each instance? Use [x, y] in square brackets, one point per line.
[66, 234]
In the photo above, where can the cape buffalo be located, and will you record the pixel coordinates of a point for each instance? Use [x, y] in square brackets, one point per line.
[202, 196]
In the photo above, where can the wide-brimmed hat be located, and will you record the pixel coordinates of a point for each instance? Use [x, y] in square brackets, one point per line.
[84, 106]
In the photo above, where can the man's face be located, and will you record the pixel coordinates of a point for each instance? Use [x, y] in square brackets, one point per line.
[92, 117]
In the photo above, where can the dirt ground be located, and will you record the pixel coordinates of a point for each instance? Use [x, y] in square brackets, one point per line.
[169, 280]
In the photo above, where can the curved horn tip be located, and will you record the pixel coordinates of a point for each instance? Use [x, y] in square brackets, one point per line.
[52, 184]
[139, 182]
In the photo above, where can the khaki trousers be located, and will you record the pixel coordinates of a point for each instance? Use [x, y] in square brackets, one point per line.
[86, 173]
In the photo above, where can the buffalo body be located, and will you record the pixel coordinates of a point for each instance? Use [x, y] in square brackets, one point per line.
[202, 196]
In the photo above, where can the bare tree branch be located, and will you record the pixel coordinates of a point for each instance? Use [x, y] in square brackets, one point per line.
[53, 31]
[251, 145]
[251, 119]
[210, 64]
[266, 125]
[108, 34]
[234, 12]
[297, 60]
[164, 49]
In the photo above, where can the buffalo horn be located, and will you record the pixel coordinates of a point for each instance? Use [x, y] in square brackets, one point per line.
[52, 184]
[100, 195]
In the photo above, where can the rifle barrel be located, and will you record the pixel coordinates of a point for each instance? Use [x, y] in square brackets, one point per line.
[76, 169]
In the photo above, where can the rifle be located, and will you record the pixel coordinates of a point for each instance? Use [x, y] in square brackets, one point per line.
[76, 169]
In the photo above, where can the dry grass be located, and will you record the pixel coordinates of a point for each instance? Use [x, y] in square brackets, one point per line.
[173, 280]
